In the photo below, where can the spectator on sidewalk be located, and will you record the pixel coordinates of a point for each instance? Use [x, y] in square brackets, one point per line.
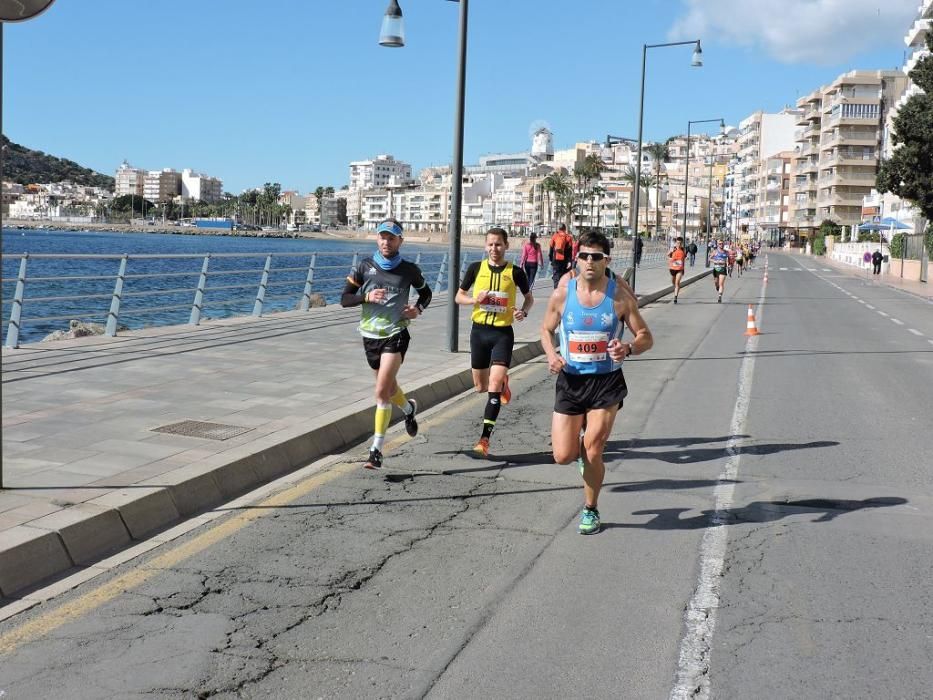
[639, 247]
[532, 258]
[560, 253]
[692, 249]
[876, 259]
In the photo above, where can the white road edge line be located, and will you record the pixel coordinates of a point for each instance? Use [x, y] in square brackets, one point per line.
[692, 678]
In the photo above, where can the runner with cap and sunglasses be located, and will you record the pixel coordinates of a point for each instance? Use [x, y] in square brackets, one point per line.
[590, 313]
[382, 284]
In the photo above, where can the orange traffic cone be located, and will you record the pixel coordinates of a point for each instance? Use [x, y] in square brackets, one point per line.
[750, 327]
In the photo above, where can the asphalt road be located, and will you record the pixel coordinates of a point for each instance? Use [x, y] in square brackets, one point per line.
[768, 515]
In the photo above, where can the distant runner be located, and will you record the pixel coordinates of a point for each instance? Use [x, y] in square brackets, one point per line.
[676, 266]
[495, 283]
[719, 259]
[590, 312]
[382, 284]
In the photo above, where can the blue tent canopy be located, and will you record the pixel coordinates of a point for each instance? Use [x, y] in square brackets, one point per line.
[886, 224]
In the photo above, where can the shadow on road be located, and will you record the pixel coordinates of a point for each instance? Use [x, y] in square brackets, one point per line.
[755, 512]
[616, 449]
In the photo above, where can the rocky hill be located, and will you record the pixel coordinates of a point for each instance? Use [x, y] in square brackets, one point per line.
[25, 166]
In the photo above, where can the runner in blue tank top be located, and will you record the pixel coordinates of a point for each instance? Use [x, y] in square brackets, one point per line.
[590, 311]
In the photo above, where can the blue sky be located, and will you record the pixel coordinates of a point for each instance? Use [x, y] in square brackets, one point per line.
[292, 90]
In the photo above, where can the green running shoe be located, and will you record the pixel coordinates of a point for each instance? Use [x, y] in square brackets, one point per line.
[589, 521]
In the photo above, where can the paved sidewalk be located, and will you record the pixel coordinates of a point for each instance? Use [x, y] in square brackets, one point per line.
[923, 290]
[86, 472]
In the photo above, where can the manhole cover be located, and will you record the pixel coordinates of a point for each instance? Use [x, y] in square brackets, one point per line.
[201, 429]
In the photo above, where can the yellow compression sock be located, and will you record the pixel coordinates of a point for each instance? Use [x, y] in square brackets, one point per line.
[383, 416]
[399, 399]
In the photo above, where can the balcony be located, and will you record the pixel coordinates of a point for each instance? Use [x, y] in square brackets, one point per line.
[916, 32]
[911, 61]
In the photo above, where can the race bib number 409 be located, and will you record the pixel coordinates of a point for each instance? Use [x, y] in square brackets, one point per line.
[588, 346]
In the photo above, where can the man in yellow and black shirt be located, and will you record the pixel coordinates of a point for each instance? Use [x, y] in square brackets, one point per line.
[495, 284]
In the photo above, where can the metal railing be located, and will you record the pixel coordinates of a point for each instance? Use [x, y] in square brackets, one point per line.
[131, 291]
[172, 288]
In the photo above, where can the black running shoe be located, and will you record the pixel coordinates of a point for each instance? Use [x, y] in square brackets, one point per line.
[411, 423]
[375, 459]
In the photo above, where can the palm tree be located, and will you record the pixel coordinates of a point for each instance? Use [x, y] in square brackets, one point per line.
[558, 184]
[629, 176]
[659, 153]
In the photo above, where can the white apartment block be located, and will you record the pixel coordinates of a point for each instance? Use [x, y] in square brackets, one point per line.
[129, 180]
[915, 40]
[838, 147]
[198, 187]
[378, 172]
[162, 185]
[761, 136]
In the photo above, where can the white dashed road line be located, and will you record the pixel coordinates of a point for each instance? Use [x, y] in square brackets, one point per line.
[897, 321]
[882, 313]
[869, 306]
[915, 332]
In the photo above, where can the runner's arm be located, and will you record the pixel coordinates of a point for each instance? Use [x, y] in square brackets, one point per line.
[353, 291]
[528, 300]
[627, 308]
[463, 294]
[549, 327]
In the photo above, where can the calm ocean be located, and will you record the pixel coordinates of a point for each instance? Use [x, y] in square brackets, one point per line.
[172, 284]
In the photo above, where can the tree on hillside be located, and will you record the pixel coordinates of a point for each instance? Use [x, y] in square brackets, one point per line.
[909, 171]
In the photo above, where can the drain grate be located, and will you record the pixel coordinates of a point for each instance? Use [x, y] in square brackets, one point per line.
[201, 429]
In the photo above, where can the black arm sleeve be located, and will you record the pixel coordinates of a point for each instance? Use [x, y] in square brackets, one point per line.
[521, 279]
[424, 297]
[470, 277]
[351, 295]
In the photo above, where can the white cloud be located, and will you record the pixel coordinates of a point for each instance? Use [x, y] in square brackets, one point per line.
[798, 31]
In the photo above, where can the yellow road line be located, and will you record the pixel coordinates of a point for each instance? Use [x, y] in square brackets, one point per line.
[53, 619]
[47, 622]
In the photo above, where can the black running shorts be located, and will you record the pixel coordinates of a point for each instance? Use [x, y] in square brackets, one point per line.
[374, 347]
[491, 345]
[674, 274]
[578, 393]
[717, 272]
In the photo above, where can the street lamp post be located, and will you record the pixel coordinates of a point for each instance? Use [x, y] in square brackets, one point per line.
[709, 208]
[722, 126]
[393, 35]
[697, 62]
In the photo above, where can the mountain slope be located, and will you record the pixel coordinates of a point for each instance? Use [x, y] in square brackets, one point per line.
[25, 166]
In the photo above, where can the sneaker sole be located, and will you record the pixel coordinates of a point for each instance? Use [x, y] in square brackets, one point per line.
[593, 531]
[372, 467]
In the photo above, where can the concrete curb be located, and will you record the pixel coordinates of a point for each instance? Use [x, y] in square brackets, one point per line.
[48, 547]
[51, 546]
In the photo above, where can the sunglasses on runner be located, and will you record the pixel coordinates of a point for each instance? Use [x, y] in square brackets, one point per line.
[595, 257]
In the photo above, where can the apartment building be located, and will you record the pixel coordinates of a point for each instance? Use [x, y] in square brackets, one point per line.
[369, 174]
[162, 185]
[838, 146]
[129, 180]
[199, 187]
[761, 135]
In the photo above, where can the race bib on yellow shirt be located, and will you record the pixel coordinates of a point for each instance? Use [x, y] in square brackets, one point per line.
[495, 303]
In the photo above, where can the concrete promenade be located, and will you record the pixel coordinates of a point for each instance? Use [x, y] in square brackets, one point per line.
[87, 471]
